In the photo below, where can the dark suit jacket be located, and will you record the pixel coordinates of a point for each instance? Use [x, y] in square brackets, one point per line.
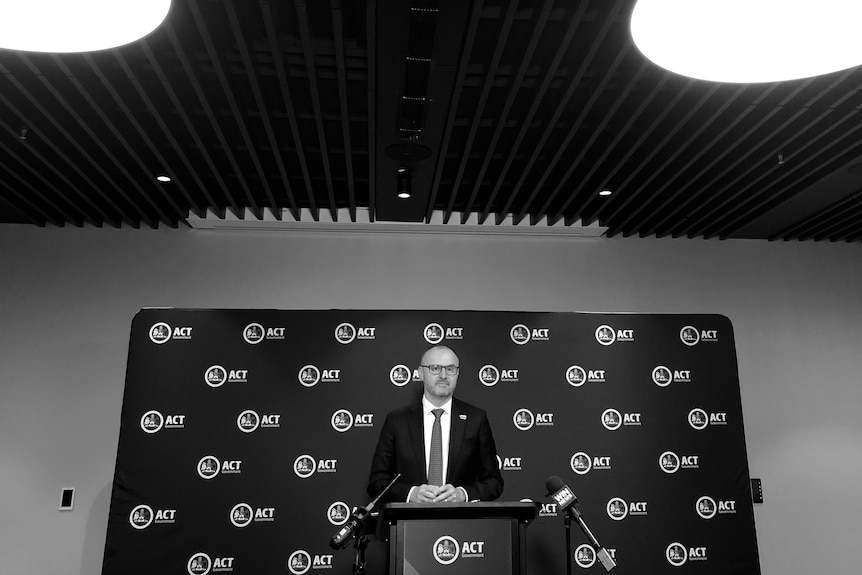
[472, 453]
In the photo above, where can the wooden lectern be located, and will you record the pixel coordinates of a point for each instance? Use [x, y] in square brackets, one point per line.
[456, 539]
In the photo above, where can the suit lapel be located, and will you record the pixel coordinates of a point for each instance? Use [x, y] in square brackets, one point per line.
[456, 438]
[417, 439]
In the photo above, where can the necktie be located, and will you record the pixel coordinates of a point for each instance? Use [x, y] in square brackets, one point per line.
[435, 461]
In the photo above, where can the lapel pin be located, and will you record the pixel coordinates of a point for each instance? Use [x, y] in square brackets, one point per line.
[462, 416]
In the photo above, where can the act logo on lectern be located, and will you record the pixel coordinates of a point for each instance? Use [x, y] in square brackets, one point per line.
[445, 550]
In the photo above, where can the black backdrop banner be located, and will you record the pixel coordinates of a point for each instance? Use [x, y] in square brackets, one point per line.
[246, 435]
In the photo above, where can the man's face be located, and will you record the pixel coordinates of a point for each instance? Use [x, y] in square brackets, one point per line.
[442, 385]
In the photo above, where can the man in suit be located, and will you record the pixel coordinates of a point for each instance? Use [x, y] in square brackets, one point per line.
[407, 445]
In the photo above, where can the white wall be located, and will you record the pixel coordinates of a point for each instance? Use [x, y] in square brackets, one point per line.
[67, 298]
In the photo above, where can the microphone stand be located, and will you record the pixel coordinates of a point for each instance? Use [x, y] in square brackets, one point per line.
[357, 523]
[602, 553]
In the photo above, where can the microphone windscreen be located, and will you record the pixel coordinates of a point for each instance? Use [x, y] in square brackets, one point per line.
[554, 483]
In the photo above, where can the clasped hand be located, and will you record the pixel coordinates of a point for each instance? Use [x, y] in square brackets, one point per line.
[436, 494]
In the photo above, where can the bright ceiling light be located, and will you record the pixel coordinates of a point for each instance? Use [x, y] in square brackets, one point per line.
[745, 41]
[59, 26]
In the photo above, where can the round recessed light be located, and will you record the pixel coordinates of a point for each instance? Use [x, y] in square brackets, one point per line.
[747, 41]
[404, 196]
[605, 193]
[59, 26]
[163, 178]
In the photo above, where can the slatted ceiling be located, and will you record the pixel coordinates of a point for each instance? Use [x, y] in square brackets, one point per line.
[268, 107]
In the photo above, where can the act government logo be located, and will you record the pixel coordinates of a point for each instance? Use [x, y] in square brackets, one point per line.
[300, 562]
[400, 375]
[691, 336]
[338, 513]
[521, 334]
[153, 421]
[311, 375]
[707, 507]
[254, 333]
[607, 335]
[161, 333]
[699, 419]
[434, 333]
[576, 376]
[582, 463]
[524, 419]
[209, 466]
[216, 376]
[201, 564]
[348, 333]
[243, 514]
[490, 375]
[447, 550]
[342, 420]
[618, 509]
[612, 419]
[678, 554]
[663, 376]
[249, 421]
[305, 466]
[670, 462]
[142, 516]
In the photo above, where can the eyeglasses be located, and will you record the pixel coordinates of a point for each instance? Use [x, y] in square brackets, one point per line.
[436, 369]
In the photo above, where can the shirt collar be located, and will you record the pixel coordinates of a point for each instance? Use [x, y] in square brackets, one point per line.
[428, 407]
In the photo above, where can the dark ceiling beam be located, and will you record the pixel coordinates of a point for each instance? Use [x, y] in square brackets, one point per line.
[452, 110]
[764, 148]
[28, 208]
[203, 100]
[311, 72]
[856, 234]
[178, 149]
[659, 149]
[72, 166]
[371, 91]
[596, 214]
[287, 99]
[265, 119]
[826, 218]
[718, 154]
[43, 210]
[585, 148]
[513, 89]
[574, 22]
[99, 143]
[774, 195]
[843, 232]
[238, 118]
[584, 199]
[679, 149]
[338, 35]
[484, 94]
[552, 124]
[180, 214]
[20, 162]
[84, 149]
[836, 221]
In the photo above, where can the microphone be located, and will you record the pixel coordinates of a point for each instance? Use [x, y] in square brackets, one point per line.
[345, 534]
[357, 519]
[562, 495]
[568, 502]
